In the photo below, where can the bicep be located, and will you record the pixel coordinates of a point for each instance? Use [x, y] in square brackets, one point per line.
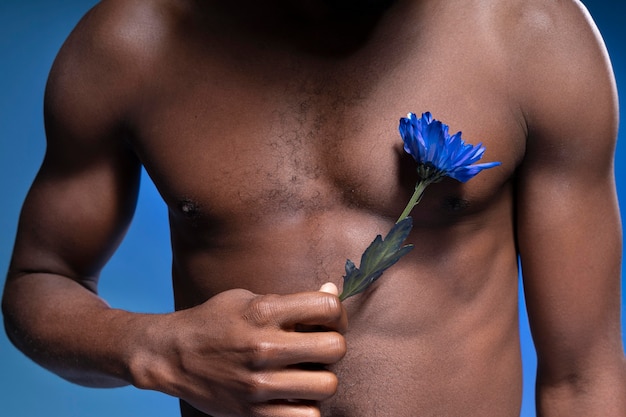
[569, 230]
[75, 214]
[85, 192]
[570, 246]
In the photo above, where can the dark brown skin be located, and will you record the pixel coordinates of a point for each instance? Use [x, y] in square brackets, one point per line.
[270, 131]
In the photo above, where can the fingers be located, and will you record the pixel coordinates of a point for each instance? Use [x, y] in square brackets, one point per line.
[317, 347]
[293, 348]
[310, 308]
[293, 385]
[285, 385]
[287, 409]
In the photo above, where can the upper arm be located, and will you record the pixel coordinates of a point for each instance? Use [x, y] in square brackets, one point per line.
[84, 194]
[569, 230]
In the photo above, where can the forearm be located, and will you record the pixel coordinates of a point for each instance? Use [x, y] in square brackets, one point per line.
[599, 394]
[71, 331]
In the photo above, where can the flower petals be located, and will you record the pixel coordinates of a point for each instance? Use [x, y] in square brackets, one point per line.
[428, 141]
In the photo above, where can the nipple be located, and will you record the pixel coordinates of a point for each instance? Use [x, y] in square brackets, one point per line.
[456, 204]
[189, 208]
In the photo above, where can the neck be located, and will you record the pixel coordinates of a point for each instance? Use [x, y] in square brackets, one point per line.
[320, 26]
[341, 10]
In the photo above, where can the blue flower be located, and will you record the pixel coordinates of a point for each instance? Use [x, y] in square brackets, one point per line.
[437, 153]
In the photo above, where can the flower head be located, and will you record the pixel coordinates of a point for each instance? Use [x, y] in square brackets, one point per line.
[437, 153]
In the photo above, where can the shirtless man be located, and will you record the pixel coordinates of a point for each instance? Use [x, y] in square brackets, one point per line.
[269, 128]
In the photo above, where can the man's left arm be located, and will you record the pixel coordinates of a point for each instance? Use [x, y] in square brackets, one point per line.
[569, 229]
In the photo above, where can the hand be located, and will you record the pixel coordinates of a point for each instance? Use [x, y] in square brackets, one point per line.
[239, 354]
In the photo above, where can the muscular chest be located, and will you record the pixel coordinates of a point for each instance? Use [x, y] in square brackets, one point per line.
[249, 139]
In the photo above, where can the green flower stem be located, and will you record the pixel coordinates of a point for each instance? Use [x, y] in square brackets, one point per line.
[420, 187]
[383, 253]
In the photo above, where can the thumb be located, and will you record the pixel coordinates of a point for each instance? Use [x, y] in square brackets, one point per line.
[330, 288]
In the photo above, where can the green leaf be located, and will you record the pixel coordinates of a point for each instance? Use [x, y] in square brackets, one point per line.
[380, 255]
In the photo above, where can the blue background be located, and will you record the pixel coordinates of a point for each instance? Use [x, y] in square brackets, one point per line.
[137, 278]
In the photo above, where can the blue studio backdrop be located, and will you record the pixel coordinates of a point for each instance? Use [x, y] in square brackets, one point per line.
[137, 278]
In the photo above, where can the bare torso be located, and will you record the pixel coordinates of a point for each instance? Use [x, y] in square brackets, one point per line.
[270, 130]
[275, 147]
[277, 164]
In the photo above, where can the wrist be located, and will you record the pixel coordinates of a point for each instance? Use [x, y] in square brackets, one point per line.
[147, 353]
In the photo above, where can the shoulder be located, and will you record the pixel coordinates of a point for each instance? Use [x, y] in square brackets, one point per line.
[532, 46]
[106, 60]
[533, 33]
[525, 22]
[127, 29]
[558, 72]
[552, 44]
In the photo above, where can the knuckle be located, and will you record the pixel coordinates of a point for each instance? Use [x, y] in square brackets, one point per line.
[338, 345]
[258, 386]
[262, 352]
[262, 310]
[332, 308]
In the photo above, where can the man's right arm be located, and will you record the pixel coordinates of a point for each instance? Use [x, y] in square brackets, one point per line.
[236, 354]
[73, 218]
